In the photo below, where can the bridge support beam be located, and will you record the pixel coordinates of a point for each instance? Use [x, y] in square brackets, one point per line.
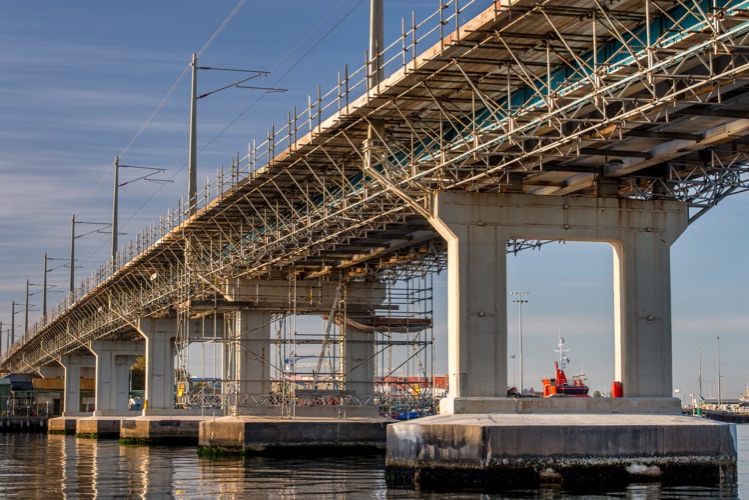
[642, 435]
[51, 371]
[160, 353]
[113, 362]
[359, 361]
[74, 365]
[249, 357]
[477, 227]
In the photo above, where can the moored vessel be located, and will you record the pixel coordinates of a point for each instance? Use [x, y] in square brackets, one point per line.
[560, 386]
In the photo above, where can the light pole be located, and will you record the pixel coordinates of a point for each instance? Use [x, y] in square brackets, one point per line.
[699, 386]
[512, 357]
[720, 399]
[520, 301]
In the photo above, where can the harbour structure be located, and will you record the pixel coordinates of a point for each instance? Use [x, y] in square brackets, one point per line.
[525, 123]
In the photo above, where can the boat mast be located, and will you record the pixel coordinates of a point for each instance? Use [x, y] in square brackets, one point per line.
[563, 359]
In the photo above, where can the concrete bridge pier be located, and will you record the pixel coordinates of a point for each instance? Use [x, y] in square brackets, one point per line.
[75, 367]
[483, 438]
[113, 362]
[359, 362]
[259, 421]
[160, 422]
[249, 358]
[159, 334]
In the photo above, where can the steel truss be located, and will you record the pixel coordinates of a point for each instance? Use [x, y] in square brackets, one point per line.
[624, 98]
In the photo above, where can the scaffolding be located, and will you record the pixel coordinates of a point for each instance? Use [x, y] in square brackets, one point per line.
[308, 363]
[555, 98]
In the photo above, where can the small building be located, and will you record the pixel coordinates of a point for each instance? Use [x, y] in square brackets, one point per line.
[5, 388]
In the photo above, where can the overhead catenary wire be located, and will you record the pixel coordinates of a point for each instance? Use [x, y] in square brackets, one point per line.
[293, 66]
[181, 78]
[277, 81]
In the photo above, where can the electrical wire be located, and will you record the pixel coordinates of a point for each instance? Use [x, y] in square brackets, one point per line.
[253, 104]
[286, 56]
[298, 61]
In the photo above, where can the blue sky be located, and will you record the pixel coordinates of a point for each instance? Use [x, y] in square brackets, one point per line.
[80, 80]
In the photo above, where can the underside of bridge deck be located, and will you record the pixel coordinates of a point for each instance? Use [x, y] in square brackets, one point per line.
[621, 101]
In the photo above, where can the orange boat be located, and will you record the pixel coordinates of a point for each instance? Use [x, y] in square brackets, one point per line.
[560, 386]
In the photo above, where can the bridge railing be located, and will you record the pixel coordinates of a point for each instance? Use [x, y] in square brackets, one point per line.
[414, 40]
[398, 55]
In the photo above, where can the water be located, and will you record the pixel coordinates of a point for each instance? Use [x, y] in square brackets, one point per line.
[40, 466]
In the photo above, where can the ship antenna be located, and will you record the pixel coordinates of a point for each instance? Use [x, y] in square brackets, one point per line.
[563, 359]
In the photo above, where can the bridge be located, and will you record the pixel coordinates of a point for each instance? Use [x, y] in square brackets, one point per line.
[620, 122]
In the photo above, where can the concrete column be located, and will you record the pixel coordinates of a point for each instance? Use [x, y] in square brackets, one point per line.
[476, 227]
[252, 352]
[477, 306]
[642, 310]
[160, 354]
[113, 362]
[74, 365]
[359, 363]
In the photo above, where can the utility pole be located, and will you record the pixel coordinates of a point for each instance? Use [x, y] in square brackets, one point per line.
[44, 290]
[116, 198]
[12, 323]
[26, 314]
[72, 255]
[73, 237]
[376, 42]
[192, 162]
[114, 208]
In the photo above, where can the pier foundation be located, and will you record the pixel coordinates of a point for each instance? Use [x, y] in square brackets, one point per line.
[273, 435]
[577, 450]
[482, 439]
[163, 430]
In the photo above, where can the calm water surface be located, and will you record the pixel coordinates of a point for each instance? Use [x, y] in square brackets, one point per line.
[40, 466]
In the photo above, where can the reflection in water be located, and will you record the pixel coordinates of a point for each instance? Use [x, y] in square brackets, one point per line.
[39, 466]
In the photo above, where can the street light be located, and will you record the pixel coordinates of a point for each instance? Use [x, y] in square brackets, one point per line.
[520, 301]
